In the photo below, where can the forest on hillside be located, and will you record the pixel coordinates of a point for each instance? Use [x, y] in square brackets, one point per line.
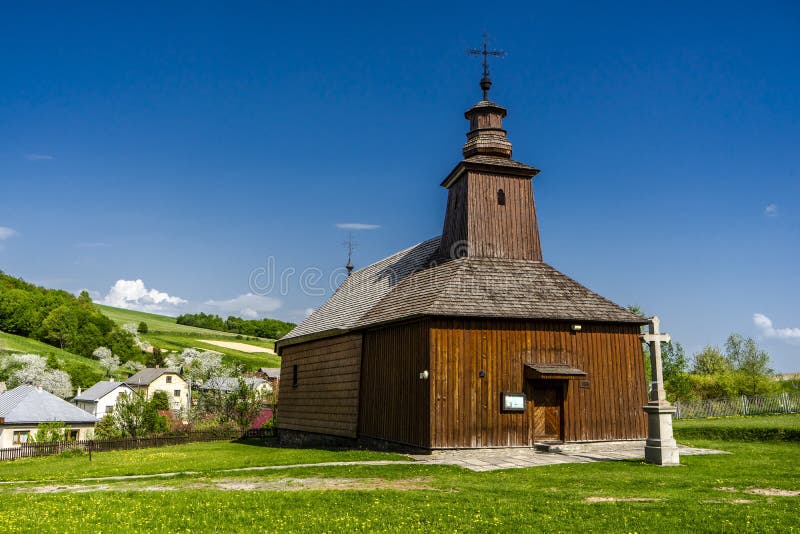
[61, 319]
[266, 328]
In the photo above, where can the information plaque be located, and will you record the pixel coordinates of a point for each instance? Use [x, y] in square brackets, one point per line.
[513, 402]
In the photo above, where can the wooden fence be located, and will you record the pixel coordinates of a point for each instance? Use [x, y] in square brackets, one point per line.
[763, 404]
[32, 450]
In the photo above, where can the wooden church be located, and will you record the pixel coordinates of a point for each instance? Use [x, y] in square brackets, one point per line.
[469, 339]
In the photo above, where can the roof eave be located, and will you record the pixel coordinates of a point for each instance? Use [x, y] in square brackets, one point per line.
[464, 166]
[288, 342]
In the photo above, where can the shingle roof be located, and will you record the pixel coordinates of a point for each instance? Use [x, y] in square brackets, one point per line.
[409, 284]
[271, 372]
[362, 290]
[29, 404]
[148, 375]
[100, 390]
[220, 383]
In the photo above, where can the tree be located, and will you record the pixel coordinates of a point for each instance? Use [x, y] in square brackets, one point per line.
[23, 368]
[50, 432]
[155, 358]
[56, 382]
[106, 428]
[160, 400]
[122, 344]
[133, 366]
[129, 414]
[143, 328]
[675, 367]
[60, 326]
[711, 361]
[243, 404]
[200, 366]
[152, 421]
[751, 364]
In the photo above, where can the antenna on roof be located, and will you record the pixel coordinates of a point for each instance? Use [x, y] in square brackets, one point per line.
[350, 245]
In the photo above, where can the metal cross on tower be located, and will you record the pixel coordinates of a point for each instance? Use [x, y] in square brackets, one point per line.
[486, 83]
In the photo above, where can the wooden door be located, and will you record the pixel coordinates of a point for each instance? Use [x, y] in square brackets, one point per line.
[546, 409]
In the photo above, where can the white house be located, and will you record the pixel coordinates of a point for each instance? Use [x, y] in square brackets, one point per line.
[23, 408]
[148, 381]
[101, 398]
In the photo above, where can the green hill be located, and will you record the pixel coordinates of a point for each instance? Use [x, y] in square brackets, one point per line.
[83, 371]
[155, 322]
[163, 332]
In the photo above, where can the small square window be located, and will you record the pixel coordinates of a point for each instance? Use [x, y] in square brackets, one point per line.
[20, 436]
[169, 379]
[109, 409]
[177, 393]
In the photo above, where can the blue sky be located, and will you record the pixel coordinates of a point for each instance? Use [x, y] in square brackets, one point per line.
[184, 146]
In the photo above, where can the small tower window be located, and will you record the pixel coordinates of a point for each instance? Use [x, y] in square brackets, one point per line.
[294, 375]
[501, 197]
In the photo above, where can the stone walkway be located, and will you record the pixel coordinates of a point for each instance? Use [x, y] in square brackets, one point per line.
[510, 458]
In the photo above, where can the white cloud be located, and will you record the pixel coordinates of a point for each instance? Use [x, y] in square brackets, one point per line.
[764, 324]
[133, 295]
[247, 306]
[308, 311]
[357, 226]
[6, 232]
[772, 210]
[38, 157]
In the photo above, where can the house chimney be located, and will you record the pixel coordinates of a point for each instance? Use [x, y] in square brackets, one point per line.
[111, 379]
[79, 392]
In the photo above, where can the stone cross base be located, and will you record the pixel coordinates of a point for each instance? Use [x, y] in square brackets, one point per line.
[660, 447]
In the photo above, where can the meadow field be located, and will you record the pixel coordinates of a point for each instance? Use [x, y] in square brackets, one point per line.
[227, 487]
[166, 334]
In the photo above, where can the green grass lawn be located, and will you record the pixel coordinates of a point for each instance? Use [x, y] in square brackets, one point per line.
[717, 493]
[787, 421]
[742, 428]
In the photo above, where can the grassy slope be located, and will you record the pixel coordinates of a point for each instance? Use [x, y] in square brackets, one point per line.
[709, 493]
[12, 343]
[166, 334]
[156, 323]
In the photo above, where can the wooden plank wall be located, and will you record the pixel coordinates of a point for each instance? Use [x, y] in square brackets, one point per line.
[454, 234]
[509, 231]
[394, 401]
[325, 399]
[466, 408]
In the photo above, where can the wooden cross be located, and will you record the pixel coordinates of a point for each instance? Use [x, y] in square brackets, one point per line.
[486, 83]
[655, 338]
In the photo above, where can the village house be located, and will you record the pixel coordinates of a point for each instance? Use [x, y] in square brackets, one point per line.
[227, 384]
[25, 407]
[270, 374]
[101, 398]
[469, 339]
[149, 380]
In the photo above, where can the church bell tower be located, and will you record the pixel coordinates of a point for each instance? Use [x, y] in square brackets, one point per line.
[490, 207]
